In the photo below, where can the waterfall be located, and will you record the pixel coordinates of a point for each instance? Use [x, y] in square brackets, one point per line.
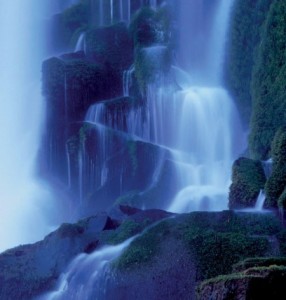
[23, 198]
[111, 11]
[68, 167]
[127, 80]
[260, 201]
[87, 275]
[80, 44]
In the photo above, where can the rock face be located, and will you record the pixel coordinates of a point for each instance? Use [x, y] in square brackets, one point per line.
[171, 255]
[256, 282]
[100, 161]
[27, 271]
[248, 179]
[276, 184]
[242, 46]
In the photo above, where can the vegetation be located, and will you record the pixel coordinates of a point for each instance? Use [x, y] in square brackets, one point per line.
[144, 248]
[248, 179]
[246, 25]
[268, 84]
[216, 241]
[276, 183]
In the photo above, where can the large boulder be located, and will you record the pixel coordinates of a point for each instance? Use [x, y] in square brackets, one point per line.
[110, 46]
[31, 270]
[248, 179]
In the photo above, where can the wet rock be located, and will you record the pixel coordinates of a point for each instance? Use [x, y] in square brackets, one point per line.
[248, 179]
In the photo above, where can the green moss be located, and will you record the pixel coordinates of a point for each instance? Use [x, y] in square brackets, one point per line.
[244, 38]
[220, 240]
[131, 198]
[229, 221]
[275, 185]
[248, 179]
[259, 262]
[144, 248]
[216, 252]
[126, 230]
[268, 84]
[281, 236]
[282, 200]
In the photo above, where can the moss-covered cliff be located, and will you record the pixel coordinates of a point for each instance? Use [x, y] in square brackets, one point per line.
[256, 69]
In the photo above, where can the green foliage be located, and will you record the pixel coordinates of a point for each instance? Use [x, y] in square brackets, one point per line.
[230, 221]
[248, 179]
[245, 29]
[216, 252]
[219, 241]
[215, 240]
[259, 262]
[144, 248]
[282, 241]
[131, 198]
[268, 84]
[126, 230]
[275, 185]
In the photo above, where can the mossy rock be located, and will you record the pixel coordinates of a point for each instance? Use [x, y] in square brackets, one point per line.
[67, 25]
[242, 49]
[110, 46]
[248, 179]
[259, 262]
[152, 64]
[268, 83]
[216, 241]
[144, 248]
[149, 27]
[254, 284]
[275, 185]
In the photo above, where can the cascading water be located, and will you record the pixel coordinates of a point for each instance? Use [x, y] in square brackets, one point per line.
[85, 277]
[209, 131]
[23, 198]
[199, 124]
[260, 201]
[196, 125]
[80, 45]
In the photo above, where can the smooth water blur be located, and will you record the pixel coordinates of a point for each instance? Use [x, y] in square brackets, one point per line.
[23, 199]
[87, 275]
[202, 35]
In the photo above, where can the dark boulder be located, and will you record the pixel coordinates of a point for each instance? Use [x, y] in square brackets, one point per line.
[248, 179]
